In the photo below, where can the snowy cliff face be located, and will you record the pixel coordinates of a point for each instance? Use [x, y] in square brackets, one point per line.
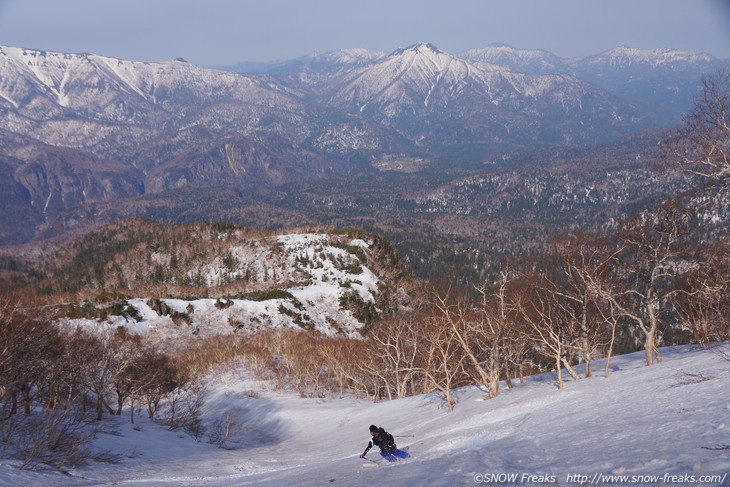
[311, 281]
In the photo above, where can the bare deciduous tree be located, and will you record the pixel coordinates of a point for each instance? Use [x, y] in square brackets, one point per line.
[701, 145]
[102, 359]
[395, 345]
[154, 378]
[703, 300]
[444, 359]
[483, 328]
[644, 266]
[547, 324]
[581, 263]
[226, 427]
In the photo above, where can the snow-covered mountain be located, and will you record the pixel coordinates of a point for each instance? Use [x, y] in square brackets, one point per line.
[156, 126]
[84, 100]
[502, 95]
[624, 57]
[427, 93]
[536, 61]
[112, 106]
[616, 59]
[667, 79]
[408, 79]
[660, 425]
[44, 85]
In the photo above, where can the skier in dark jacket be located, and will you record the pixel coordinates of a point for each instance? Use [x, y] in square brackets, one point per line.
[386, 443]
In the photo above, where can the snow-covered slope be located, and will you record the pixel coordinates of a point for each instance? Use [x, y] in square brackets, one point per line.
[660, 425]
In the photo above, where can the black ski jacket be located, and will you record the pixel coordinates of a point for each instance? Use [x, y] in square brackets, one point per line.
[381, 439]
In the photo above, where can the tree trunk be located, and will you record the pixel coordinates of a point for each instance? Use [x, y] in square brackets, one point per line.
[99, 407]
[120, 403]
[585, 340]
[450, 401]
[570, 369]
[650, 348]
[13, 401]
[107, 406]
[494, 384]
[26, 400]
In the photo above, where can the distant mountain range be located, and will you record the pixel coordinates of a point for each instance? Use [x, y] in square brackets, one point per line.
[665, 78]
[79, 129]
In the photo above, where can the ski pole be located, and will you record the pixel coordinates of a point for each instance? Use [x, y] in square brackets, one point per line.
[403, 436]
[366, 458]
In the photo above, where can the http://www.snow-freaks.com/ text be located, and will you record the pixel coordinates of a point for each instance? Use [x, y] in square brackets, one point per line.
[599, 479]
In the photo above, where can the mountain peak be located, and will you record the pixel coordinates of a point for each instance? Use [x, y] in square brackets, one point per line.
[418, 48]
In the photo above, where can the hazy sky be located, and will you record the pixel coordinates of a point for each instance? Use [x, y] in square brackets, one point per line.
[223, 32]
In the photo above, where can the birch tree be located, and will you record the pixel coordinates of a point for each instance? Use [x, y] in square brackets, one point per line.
[483, 329]
[645, 266]
[581, 263]
[547, 324]
[444, 359]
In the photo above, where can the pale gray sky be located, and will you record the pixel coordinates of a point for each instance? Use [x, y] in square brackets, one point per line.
[223, 32]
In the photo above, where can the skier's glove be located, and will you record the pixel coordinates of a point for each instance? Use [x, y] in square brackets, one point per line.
[362, 456]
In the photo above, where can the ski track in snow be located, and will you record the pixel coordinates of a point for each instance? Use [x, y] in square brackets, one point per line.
[638, 421]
